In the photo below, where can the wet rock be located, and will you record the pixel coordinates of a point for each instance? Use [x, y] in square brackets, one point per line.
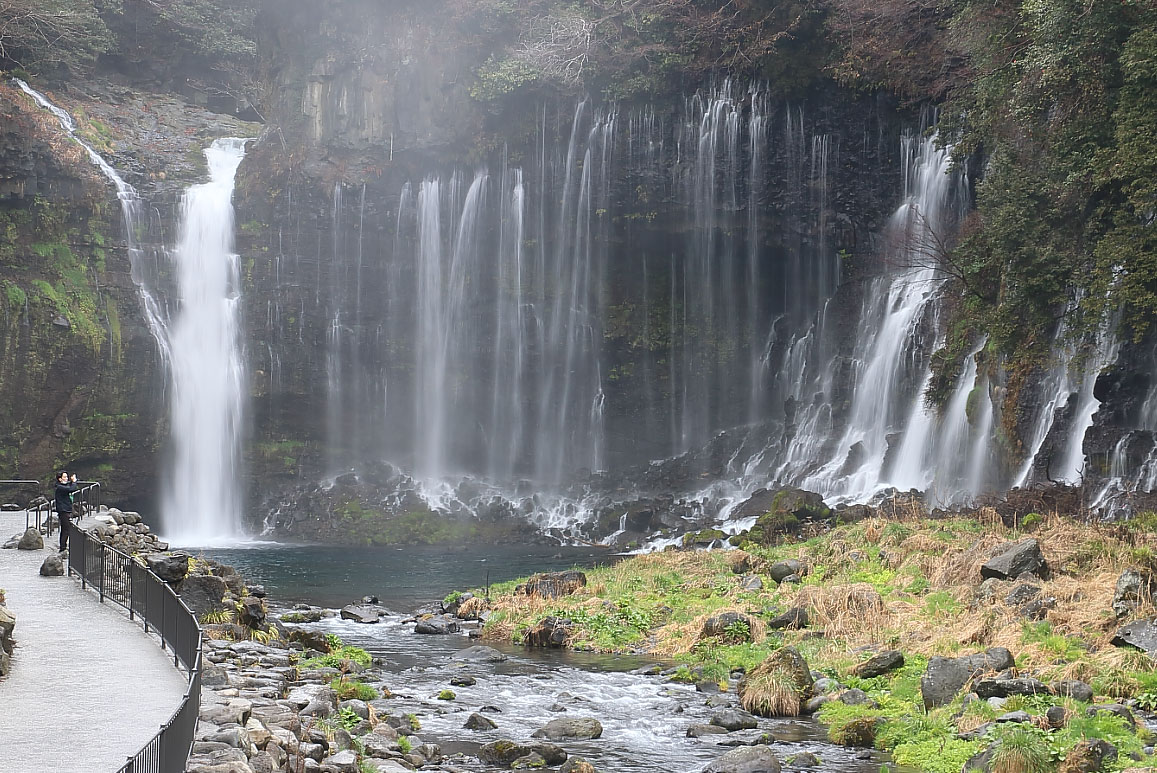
[480, 653]
[170, 567]
[796, 617]
[549, 632]
[704, 538]
[463, 680]
[698, 731]
[877, 665]
[815, 704]
[732, 626]
[1141, 634]
[53, 566]
[1088, 756]
[438, 626]
[30, 540]
[552, 585]
[945, 677]
[579, 728]
[1016, 559]
[749, 759]
[577, 765]
[781, 569]
[860, 732]
[361, 614]
[804, 760]
[531, 761]
[734, 719]
[478, 722]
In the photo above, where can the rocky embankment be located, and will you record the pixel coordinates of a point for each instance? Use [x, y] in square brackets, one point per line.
[7, 625]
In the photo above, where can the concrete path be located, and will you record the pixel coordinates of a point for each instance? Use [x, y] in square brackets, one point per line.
[88, 686]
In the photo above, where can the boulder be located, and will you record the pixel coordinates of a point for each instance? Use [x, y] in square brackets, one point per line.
[170, 567]
[202, 593]
[552, 585]
[796, 617]
[478, 722]
[945, 677]
[1073, 688]
[1021, 594]
[504, 752]
[532, 761]
[53, 566]
[580, 728]
[733, 626]
[252, 612]
[1088, 756]
[1004, 688]
[747, 759]
[549, 632]
[767, 690]
[698, 731]
[437, 626]
[480, 653]
[733, 719]
[1141, 634]
[1132, 588]
[860, 732]
[886, 661]
[7, 625]
[577, 765]
[1016, 559]
[781, 569]
[30, 540]
[361, 614]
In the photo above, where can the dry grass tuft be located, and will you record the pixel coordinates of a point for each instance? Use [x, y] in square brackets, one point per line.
[854, 612]
[769, 692]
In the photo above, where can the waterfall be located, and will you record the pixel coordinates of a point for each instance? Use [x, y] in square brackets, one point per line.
[202, 503]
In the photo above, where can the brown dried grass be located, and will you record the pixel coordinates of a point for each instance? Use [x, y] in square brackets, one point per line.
[853, 612]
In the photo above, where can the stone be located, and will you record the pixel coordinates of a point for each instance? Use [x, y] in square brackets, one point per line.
[853, 697]
[1073, 688]
[886, 661]
[1141, 634]
[1016, 559]
[53, 566]
[752, 582]
[1022, 594]
[1119, 709]
[1004, 688]
[551, 585]
[944, 677]
[698, 731]
[361, 614]
[805, 760]
[1132, 588]
[579, 728]
[531, 761]
[577, 765]
[748, 759]
[1015, 717]
[170, 567]
[781, 569]
[504, 752]
[463, 680]
[734, 719]
[343, 762]
[860, 732]
[480, 653]
[815, 704]
[550, 631]
[30, 540]
[735, 627]
[252, 611]
[796, 617]
[202, 593]
[478, 722]
[1057, 717]
[1088, 756]
[437, 626]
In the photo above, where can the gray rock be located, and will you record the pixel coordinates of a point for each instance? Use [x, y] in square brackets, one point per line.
[727, 625]
[478, 722]
[1003, 688]
[1015, 560]
[1141, 634]
[1120, 710]
[698, 731]
[554, 755]
[576, 765]
[752, 583]
[1016, 717]
[1132, 587]
[1073, 688]
[30, 540]
[202, 593]
[170, 567]
[734, 719]
[343, 762]
[361, 614]
[815, 704]
[877, 665]
[552, 585]
[945, 677]
[53, 566]
[796, 617]
[505, 752]
[749, 759]
[853, 697]
[805, 760]
[480, 653]
[531, 761]
[781, 569]
[252, 612]
[437, 626]
[463, 680]
[1022, 594]
[1037, 609]
[1057, 717]
[570, 727]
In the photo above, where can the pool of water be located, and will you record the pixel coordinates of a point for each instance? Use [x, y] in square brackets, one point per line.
[403, 578]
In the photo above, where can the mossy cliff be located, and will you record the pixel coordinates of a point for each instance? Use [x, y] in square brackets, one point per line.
[77, 365]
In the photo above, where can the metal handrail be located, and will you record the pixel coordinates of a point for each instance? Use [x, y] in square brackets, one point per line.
[121, 579]
[87, 496]
[23, 483]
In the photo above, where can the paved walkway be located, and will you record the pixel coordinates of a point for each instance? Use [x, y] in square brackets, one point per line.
[88, 686]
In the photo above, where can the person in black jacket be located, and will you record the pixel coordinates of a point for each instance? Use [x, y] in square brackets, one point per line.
[65, 488]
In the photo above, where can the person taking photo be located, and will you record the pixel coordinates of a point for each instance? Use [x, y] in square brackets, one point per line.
[65, 488]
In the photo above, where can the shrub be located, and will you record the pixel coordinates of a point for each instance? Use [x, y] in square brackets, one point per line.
[1021, 749]
[352, 688]
[770, 692]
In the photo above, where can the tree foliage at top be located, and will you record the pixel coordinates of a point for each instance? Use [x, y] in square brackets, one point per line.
[52, 33]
